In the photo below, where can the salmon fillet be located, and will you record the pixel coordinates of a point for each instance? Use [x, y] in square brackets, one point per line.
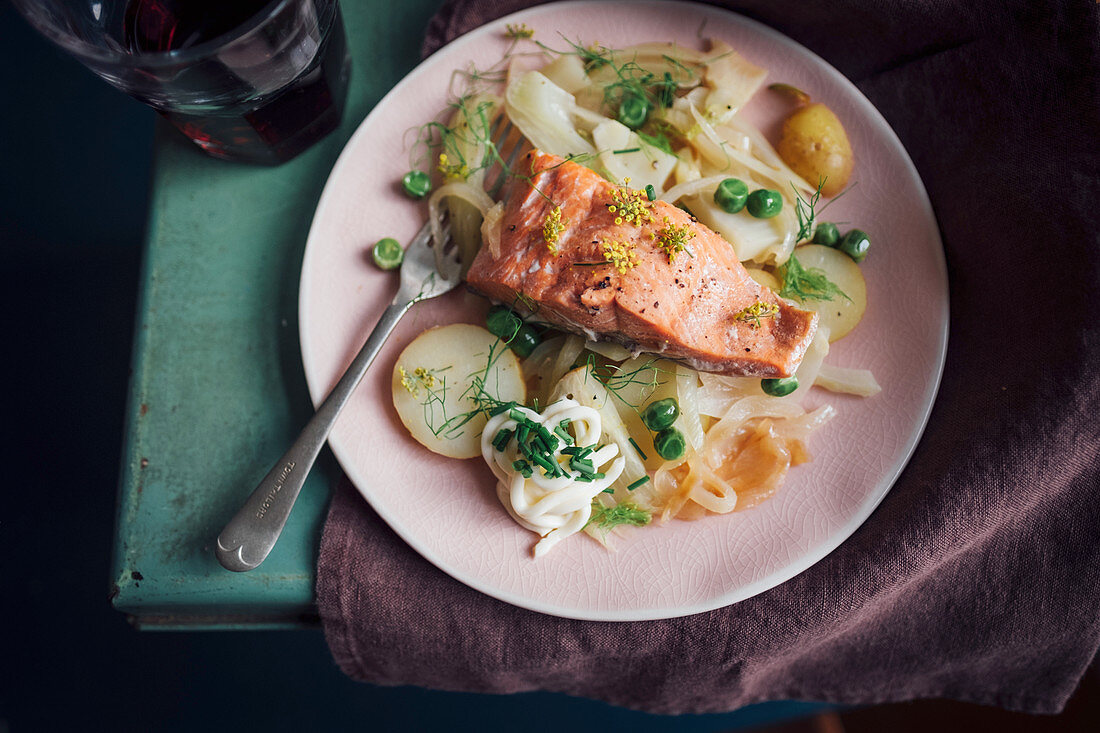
[601, 260]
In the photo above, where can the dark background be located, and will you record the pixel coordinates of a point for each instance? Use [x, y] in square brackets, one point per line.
[75, 161]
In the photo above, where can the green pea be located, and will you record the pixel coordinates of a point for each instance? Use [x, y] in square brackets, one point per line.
[502, 322]
[855, 244]
[633, 111]
[661, 414]
[827, 234]
[506, 325]
[670, 444]
[387, 253]
[525, 341]
[417, 184]
[763, 203]
[779, 387]
[731, 195]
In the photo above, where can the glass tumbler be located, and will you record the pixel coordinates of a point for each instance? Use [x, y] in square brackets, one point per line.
[256, 81]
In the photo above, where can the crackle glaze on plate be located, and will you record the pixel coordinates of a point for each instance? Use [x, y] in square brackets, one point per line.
[448, 511]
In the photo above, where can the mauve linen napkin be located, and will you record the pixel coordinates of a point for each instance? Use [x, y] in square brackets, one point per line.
[978, 577]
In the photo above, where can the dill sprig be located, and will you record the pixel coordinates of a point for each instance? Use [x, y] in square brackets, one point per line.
[446, 142]
[807, 211]
[616, 379]
[518, 31]
[673, 239]
[630, 206]
[529, 303]
[478, 393]
[753, 313]
[804, 210]
[807, 284]
[552, 227]
[630, 78]
[593, 56]
[619, 254]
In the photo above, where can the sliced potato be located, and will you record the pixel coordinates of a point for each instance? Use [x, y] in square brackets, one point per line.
[838, 315]
[432, 386]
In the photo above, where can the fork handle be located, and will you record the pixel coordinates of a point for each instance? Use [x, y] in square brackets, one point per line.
[253, 531]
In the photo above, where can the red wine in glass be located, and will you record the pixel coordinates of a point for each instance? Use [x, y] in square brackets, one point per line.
[264, 127]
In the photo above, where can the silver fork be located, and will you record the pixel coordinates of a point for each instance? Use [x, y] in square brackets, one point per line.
[252, 532]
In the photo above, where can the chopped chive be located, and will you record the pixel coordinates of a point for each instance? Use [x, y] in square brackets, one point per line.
[599, 475]
[518, 416]
[543, 461]
[582, 477]
[539, 444]
[637, 483]
[650, 192]
[522, 431]
[565, 436]
[584, 469]
[625, 150]
[523, 467]
[500, 442]
[502, 407]
[640, 451]
[571, 450]
[608, 491]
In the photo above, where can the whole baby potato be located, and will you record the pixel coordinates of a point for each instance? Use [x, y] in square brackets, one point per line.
[813, 143]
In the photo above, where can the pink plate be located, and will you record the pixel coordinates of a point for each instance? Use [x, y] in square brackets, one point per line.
[447, 509]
